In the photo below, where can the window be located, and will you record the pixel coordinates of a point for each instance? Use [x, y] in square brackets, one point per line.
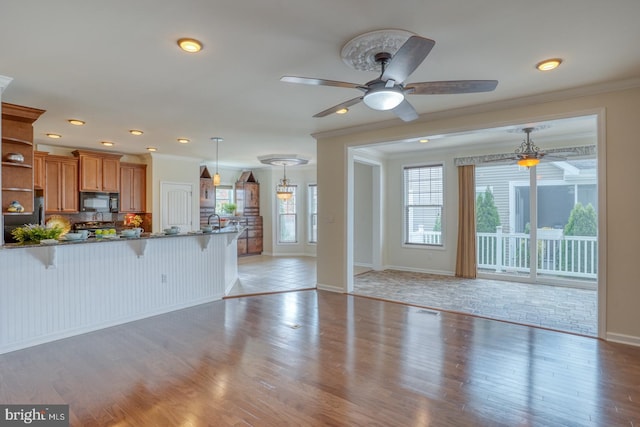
[423, 203]
[287, 218]
[313, 213]
[224, 194]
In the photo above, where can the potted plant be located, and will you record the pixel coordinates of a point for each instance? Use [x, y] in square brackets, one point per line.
[228, 208]
[34, 233]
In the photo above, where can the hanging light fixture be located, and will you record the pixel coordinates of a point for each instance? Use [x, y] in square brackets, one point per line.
[216, 177]
[528, 153]
[283, 190]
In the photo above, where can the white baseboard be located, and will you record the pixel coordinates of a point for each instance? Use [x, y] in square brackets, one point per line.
[363, 265]
[623, 339]
[419, 270]
[330, 288]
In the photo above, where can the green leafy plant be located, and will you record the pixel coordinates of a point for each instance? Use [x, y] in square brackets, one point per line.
[229, 208]
[35, 233]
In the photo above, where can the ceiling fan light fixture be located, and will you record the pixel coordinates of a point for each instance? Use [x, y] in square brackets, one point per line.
[528, 162]
[383, 99]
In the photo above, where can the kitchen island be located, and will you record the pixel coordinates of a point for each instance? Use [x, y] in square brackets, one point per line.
[48, 292]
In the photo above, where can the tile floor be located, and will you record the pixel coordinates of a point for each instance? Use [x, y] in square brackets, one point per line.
[264, 274]
[564, 309]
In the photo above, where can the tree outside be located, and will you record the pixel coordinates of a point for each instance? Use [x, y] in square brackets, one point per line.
[487, 216]
[583, 221]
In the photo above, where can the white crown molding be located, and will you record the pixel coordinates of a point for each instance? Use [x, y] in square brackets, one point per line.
[4, 82]
[560, 95]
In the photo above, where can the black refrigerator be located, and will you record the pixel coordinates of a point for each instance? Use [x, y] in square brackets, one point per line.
[13, 221]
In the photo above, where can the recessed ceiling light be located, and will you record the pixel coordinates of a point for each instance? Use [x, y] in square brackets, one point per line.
[549, 64]
[190, 45]
[54, 135]
[183, 140]
[342, 111]
[423, 141]
[107, 143]
[152, 149]
[135, 132]
[76, 122]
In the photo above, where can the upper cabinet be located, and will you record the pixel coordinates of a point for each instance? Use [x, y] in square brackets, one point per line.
[99, 171]
[133, 187]
[17, 156]
[39, 177]
[248, 195]
[61, 184]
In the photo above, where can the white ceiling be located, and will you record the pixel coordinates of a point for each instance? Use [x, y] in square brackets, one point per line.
[116, 65]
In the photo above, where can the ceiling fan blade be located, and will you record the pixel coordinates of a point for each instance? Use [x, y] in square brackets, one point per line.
[318, 82]
[451, 87]
[407, 58]
[338, 107]
[552, 158]
[405, 111]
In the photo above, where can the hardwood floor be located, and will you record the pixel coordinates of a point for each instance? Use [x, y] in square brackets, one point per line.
[312, 358]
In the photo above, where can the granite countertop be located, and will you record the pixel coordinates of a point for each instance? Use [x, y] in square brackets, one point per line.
[120, 238]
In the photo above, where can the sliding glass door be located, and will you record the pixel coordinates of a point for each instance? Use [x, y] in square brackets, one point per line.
[538, 223]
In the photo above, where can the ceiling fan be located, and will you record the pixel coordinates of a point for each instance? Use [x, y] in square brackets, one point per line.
[388, 91]
[528, 154]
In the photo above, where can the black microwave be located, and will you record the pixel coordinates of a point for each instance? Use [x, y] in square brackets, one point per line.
[99, 202]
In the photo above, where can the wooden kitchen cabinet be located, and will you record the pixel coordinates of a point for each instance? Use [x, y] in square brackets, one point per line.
[61, 184]
[133, 187]
[99, 171]
[247, 190]
[250, 241]
[17, 140]
[39, 177]
[247, 195]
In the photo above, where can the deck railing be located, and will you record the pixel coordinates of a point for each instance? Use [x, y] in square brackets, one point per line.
[559, 255]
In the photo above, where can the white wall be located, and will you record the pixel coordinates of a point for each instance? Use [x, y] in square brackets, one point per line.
[363, 215]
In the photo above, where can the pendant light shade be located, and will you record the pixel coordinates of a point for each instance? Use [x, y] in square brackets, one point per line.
[283, 190]
[528, 162]
[216, 177]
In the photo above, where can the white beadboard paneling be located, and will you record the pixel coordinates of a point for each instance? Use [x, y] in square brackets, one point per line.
[95, 285]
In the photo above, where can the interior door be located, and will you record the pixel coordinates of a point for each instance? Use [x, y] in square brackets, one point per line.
[176, 205]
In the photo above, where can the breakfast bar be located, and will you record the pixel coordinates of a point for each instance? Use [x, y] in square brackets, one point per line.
[53, 291]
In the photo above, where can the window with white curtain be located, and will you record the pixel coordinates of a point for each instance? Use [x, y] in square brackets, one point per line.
[313, 213]
[287, 218]
[423, 204]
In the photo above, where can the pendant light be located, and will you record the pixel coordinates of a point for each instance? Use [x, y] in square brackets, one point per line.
[528, 153]
[283, 190]
[216, 177]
